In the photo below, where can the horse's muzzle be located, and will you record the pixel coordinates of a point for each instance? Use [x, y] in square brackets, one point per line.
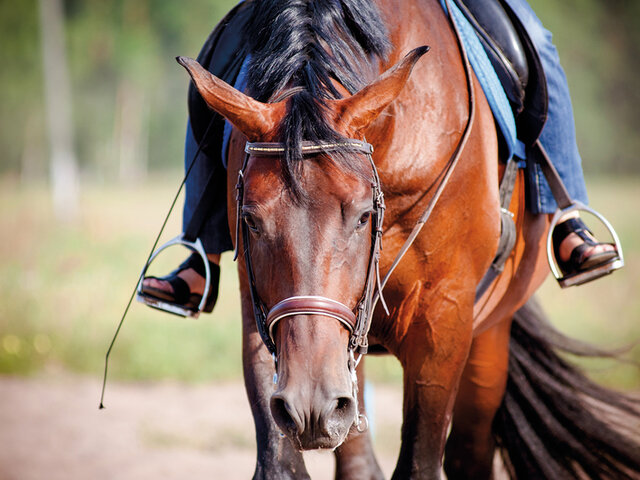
[319, 422]
[313, 403]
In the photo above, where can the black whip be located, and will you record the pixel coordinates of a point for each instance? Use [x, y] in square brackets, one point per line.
[153, 248]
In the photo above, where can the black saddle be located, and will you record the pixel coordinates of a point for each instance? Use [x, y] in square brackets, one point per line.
[515, 60]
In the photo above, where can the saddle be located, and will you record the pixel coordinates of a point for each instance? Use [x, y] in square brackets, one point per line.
[515, 60]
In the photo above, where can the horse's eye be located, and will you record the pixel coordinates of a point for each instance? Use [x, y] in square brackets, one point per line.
[250, 221]
[364, 219]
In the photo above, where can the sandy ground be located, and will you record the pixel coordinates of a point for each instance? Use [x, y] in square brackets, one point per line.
[51, 428]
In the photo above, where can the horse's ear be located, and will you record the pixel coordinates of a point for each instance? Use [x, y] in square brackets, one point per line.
[362, 108]
[255, 119]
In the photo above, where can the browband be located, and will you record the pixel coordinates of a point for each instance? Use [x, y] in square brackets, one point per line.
[308, 148]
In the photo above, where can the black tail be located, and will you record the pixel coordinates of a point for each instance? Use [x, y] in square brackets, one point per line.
[555, 423]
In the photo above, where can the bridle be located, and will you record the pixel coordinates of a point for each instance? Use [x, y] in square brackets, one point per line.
[358, 320]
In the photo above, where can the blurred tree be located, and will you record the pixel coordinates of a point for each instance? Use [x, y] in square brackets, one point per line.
[129, 95]
[21, 91]
[64, 169]
[623, 85]
[598, 43]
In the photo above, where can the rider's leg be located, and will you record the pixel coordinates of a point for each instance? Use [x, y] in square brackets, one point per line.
[221, 54]
[214, 234]
[558, 136]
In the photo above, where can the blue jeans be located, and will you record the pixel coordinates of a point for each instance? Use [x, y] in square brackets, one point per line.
[559, 135]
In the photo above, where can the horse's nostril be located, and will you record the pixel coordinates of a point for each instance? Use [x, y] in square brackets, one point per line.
[284, 415]
[344, 408]
[338, 417]
[323, 423]
[343, 403]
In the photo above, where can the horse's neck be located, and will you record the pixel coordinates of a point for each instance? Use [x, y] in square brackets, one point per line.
[417, 133]
[415, 139]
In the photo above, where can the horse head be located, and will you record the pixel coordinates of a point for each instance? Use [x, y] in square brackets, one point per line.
[309, 243]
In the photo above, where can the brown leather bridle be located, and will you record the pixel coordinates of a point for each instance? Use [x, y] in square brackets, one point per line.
[356, 320]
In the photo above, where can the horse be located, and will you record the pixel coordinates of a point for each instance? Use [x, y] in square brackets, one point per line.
[348, 117]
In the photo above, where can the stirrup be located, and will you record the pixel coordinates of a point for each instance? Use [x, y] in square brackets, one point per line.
[167, 306]
[579, 278]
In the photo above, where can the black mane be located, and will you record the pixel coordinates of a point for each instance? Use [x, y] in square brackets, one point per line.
[307, 43]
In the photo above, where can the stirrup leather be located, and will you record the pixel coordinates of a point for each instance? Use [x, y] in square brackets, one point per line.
[165, 305]
[580, 277]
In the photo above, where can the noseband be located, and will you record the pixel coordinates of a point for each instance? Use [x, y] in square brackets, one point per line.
[358, 320]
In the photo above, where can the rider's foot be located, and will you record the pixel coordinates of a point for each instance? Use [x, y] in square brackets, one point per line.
[184, 286]
[576, 249]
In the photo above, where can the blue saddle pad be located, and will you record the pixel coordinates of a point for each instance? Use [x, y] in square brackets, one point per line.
[491, 86]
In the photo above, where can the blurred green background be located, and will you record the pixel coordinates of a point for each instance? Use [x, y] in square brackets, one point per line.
[64, 284]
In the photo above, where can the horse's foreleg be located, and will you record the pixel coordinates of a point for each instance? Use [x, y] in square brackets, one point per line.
[276, 457]
[433, 354]
[470, 448]
[355, 458]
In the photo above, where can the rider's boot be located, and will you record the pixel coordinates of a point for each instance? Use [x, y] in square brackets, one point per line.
[185, 285]
[578, 253]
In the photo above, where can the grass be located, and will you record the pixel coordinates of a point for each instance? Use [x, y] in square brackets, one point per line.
[63, 289]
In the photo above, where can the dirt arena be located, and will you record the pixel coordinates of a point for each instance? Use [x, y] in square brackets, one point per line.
[52, 429]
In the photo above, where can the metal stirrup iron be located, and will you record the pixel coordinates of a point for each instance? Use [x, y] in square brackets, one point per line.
[567, 205]
[165, 305]
[189, 239]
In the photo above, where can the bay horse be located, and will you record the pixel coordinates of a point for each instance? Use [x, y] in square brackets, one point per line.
[329, 82]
